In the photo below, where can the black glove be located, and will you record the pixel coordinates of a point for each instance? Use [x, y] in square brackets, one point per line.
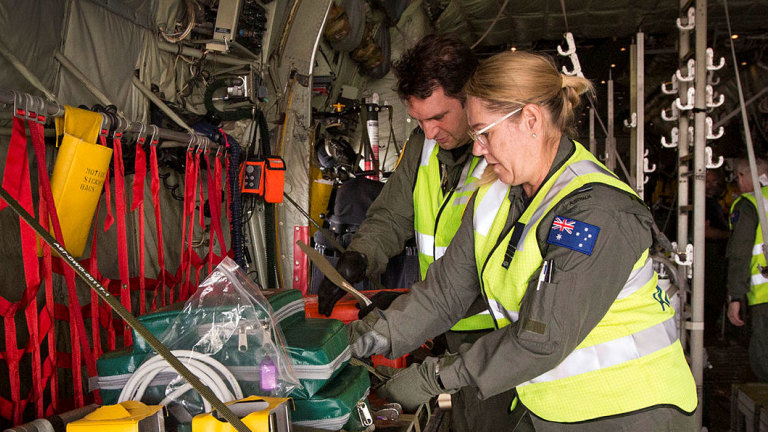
[352, 267]
[380, 300]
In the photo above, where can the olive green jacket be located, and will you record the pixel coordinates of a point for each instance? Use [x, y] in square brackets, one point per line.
[388, 224]
[744, 222]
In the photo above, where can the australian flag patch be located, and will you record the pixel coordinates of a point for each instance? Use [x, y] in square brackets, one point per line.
[573, 234]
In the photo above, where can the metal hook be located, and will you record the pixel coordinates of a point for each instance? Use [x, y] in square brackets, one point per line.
[632, 123]
[690, 23]
[192, 138]
[689, 103]
[671, 117]
[571, 45]
[688, 254]
[710, 164]
[155, 131]
[646, 168]
[675, 139]
[711, 98]
[576, 67]
[710, 133]
[673, 86]
[142, 136]
[691, 66]
[711, 61]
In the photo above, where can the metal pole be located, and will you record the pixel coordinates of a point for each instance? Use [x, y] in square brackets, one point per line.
[696, 325]
[592, 140]
[610, 140]
[639, 109]
[683, 171]
[55, 110]
[179, 49]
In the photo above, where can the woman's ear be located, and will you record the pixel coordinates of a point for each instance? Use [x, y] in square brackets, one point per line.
[533, 118]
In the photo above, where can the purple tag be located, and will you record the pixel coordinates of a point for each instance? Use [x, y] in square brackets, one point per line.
[268, 372]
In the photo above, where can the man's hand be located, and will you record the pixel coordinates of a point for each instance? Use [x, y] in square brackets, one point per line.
[414, 385]
[734, 313]
[352, 267]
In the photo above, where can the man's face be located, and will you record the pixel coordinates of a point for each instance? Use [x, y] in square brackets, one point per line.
[441, 117]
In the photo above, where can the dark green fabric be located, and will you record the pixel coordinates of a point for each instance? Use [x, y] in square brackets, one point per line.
[336, 399]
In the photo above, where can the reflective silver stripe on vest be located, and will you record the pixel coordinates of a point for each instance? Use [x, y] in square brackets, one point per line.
[487, 208]
[758, 279]
[499, 312]
[426, 151]
[570, 173]
[613, 352]
[439, 251]
[463, 186]
[757, 249]
[425, 243]
[637, 279]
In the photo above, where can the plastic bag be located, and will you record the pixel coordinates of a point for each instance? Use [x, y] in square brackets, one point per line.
[226, 334]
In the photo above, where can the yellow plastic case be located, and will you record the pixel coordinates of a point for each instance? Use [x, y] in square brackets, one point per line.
[129, 416]
[259, 413]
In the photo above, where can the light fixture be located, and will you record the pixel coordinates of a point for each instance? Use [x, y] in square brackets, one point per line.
[613, 65]
[602, 82]
[622, 49]
[734, 36]
[743, 63]
[513, 49]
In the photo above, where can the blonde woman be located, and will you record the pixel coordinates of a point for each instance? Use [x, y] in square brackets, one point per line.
[558, 247]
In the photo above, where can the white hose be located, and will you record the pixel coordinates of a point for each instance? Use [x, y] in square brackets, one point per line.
[213, 374]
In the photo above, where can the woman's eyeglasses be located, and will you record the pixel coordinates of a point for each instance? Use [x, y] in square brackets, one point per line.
[478, 135]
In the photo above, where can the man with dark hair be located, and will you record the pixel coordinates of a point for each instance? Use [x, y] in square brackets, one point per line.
[425, 198]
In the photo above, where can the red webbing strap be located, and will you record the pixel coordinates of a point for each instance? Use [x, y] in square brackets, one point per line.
[109, 219]
[155, 187]
[138, 203]
[93, 269]
[17, 182]
[211, 197]
[189, 206]
[79, 337]
[51, 363]
[216, 208]
[194, 261]
[122, 236]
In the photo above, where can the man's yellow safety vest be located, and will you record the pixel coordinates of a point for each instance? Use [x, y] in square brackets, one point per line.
[437, 216]
[631, 360]
[758, 284]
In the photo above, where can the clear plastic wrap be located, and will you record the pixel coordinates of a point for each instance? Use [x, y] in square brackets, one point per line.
[226, 333]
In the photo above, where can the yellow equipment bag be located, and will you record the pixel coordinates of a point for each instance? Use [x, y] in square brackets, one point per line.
[78, 176]
[258, 413]
[128, 416]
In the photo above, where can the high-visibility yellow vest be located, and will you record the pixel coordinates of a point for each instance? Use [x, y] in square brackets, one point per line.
[631, 360]
[758, 284]
[437, 216]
